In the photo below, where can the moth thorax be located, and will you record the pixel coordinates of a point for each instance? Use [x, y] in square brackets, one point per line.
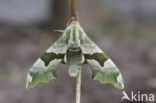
[74, 44]
[74, 49]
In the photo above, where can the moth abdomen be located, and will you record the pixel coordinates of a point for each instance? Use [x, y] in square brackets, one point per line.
[74, 59]
[74, 70]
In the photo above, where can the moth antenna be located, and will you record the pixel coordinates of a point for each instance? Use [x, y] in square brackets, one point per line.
[60, 31]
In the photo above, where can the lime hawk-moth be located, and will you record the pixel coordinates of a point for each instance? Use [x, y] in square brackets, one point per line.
[74, 48]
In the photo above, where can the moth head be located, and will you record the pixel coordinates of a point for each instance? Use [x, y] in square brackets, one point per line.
[73, 18]
[74, 23]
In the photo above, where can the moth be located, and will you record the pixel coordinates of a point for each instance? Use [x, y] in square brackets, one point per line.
[74, 48]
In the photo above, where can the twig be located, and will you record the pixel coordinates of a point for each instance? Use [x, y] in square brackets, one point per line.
[72, 8]
[78, 88]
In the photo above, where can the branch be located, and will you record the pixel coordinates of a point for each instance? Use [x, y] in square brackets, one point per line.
[72, 8]
[78, 88]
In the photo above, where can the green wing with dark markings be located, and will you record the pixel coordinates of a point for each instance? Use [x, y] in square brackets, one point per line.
[103, 68]
[44, 69]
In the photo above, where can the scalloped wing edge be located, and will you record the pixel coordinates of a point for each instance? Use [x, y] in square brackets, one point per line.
[39, 73]
[108, 74]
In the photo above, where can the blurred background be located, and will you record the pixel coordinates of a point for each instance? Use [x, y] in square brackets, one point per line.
[124, 29]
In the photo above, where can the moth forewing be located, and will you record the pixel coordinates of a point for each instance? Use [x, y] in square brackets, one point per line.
[60, 46]
[103, 68]
[39, 73]
[44, 68]
[108, 73]
[87, 45]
